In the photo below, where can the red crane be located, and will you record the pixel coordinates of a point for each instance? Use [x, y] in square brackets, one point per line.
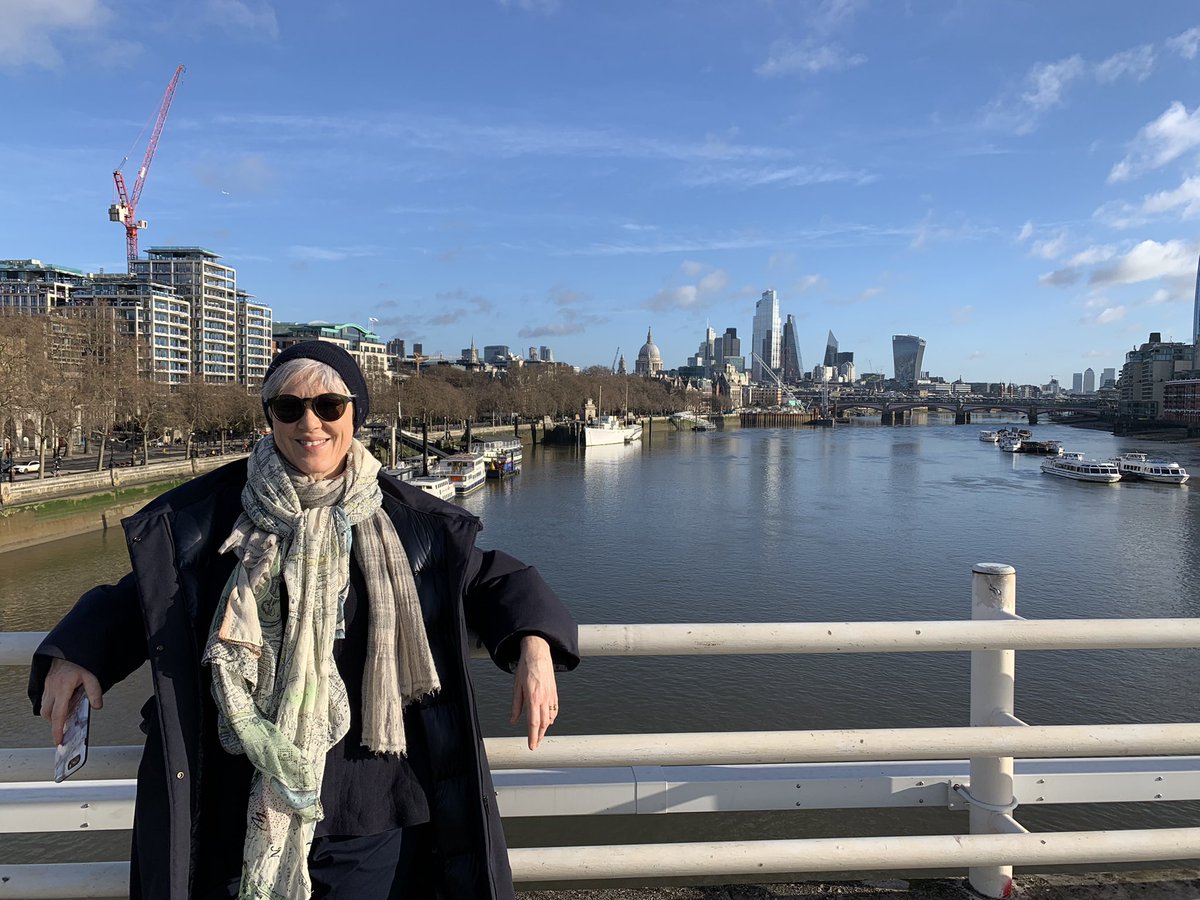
[125, 209]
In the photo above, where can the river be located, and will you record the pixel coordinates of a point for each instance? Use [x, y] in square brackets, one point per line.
[855, 522]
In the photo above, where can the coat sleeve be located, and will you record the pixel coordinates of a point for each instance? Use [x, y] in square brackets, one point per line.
[103, 632]
[506, 600]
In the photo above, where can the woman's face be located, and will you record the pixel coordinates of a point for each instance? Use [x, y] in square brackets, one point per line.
[315, 447]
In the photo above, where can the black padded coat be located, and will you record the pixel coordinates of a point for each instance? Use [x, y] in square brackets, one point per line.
[162, 610]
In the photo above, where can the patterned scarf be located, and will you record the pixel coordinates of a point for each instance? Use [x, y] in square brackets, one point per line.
[279, 697]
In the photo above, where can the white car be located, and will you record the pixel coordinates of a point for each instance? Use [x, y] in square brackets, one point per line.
[27, 468]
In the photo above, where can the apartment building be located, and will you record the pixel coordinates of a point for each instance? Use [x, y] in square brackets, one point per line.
[363, 344]
[211, 290]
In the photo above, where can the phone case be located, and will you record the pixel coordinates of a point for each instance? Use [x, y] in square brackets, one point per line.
[71, 754]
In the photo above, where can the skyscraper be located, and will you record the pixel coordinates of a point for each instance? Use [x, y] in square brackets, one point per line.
[1196, 309]
[1077, 383]
[766, 337]
[908, 355]
[793, 369]
[1089, 380]
[831, 350]
[1108, 377]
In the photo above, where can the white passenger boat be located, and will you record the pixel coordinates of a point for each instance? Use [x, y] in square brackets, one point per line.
[1073, 465]
[610, 430]
[989, 437]
[689, 421]
[438, 485]
[466, 471]
[500, 458]
[1146, 468]
[1010, 444]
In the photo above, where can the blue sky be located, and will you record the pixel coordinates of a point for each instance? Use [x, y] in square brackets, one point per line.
[1017, 182]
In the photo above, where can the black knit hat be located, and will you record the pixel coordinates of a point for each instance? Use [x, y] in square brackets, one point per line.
[338, 360]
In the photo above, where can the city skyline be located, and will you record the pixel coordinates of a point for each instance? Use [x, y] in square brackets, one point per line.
[1031, 216]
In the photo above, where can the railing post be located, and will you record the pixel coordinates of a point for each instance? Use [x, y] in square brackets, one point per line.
[993, 596]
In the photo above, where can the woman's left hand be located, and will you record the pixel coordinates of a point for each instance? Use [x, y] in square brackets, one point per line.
[534, 688]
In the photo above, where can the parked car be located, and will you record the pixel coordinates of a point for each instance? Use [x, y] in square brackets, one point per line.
[27, 468]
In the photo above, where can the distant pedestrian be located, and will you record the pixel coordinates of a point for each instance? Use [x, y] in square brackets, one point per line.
[57, 464]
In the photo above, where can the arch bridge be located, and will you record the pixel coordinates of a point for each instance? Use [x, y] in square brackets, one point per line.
[889, 408]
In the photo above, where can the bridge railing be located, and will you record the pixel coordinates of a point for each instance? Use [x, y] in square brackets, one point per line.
[984, 769]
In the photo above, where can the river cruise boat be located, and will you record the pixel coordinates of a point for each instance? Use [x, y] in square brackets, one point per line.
[689, 421]
[1073, 465]
[1142, 467]
[610, 430]
[1010, 444]
[500, 458]
[438, 485]
[1045, 448]
[466, 472]
[989, 437]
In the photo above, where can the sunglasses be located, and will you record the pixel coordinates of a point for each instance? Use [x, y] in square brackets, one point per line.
[287, 408]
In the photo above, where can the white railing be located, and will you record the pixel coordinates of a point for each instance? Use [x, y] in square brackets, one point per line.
[834, 769]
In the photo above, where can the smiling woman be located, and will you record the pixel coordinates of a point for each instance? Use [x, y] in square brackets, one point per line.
[325, 741]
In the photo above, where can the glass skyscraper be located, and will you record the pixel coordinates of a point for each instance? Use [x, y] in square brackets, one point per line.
[908, 354]
[793, 368]
[766, 337]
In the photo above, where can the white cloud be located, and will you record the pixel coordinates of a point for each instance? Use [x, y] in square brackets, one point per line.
[1162, 141]
[308, 253]
[545, 7]
[780, 262]
[1137, 64]
[1059, 277]
[1041, 90]
[961, 315]
[1051, 248]
[1106, 316]
[773, 176]
[1149, 260]
[1092, 255]
[243, 17]
[808, 283]
[1183, 200]
[1186, 44]
[1026, 232]
[32, 29]
[710, 285]
[808, 57]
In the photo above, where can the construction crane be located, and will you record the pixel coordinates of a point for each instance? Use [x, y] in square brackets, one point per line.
[125, 209]
[613, 367]
[786, 391]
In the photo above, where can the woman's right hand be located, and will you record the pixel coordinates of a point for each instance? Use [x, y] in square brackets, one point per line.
[63, 679]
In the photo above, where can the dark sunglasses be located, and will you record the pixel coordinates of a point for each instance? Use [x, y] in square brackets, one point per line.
[287, 408]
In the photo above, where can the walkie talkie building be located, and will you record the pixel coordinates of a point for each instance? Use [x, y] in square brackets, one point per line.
[908, 354]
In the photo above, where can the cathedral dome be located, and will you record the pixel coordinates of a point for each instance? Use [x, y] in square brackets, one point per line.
[649, 359]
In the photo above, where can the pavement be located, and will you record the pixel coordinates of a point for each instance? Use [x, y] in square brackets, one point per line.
[1173, 884]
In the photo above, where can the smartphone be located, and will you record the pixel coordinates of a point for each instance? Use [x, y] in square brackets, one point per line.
[71, 754]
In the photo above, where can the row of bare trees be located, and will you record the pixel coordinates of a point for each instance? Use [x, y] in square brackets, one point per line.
[65, 375]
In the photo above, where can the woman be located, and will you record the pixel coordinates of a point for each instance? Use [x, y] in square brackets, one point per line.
[313, 727]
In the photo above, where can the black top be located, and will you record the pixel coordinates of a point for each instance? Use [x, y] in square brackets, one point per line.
[362, 793]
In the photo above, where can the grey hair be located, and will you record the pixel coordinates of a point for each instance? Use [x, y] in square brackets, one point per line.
[304, 370]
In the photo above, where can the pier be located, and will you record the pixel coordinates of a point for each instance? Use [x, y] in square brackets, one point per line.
[984, 770]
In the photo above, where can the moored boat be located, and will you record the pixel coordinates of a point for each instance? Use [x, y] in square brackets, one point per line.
[610, 430]
[689, 421]
[466, 471]
[989, 437]
[438, 485]
[500, 458]
[1076, 467]
[1010, 444]
[1142, 467]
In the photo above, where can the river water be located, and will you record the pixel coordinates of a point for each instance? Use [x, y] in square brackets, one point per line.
[855, 522]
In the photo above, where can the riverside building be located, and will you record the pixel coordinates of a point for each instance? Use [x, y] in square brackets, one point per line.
[364, 345]
[1146, 372]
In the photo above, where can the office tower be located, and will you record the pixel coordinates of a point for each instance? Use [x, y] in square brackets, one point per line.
[418, 349]
[844, 357]
[533, 355]
[831, 351]
[496, 353]
[211, 289]
[1089, 381]
[547, 355]
[766, 337]
[1196, 310]
[792, 367]
[1108, 378]
[395, 347]
[908, 355]
[1077, 383]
